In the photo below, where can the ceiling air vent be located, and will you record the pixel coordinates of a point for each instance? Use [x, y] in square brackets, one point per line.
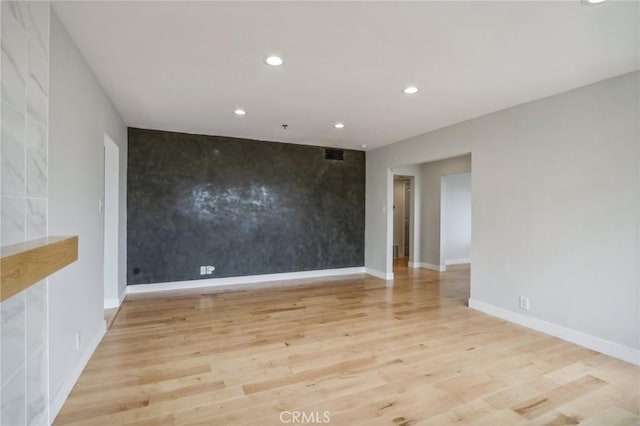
[333, 154]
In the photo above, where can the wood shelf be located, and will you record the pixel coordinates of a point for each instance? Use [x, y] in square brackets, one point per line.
[24, 264]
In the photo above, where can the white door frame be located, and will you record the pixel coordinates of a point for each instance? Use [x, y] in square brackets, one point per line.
[111, 222]
[414, 229]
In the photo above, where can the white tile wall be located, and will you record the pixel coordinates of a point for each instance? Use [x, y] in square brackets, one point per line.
[14, 53]
[14, 327]
[36, 316]
[36, 218]
[24, 106]
[37, 101]
[36, 392]
[14, 407]
[13, 151]
[38, 23]
[13, 220]
[36, 172]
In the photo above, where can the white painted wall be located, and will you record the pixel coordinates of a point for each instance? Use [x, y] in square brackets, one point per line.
[80, 115]
[456, 219]
[556, 211]
[379, 181]
[431, 210]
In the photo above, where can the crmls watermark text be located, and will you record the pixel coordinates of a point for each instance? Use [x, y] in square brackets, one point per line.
[302, 417]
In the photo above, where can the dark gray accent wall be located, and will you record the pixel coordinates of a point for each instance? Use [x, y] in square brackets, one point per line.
[246, 207]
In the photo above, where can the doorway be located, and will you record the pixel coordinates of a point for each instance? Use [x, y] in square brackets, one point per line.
[439, 205]
[111, 222]
[455, 219]
[402, 224]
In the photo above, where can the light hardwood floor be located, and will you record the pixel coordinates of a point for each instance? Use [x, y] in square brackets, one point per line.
[110, 316]
[362, 350]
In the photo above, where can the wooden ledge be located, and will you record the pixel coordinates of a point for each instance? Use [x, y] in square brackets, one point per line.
[24, 264]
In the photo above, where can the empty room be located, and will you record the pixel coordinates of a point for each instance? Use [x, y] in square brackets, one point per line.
[323, 212]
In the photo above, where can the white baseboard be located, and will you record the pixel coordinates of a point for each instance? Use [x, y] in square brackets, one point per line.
[111, 303]
[414, 265]
[439, 268]
[248, 279]
[379, 274]
[58, 400]
[115, 302]
[606, 347]
[457, 261]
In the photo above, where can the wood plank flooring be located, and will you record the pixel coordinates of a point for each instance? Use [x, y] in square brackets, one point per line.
[363, 351]
[110, 316]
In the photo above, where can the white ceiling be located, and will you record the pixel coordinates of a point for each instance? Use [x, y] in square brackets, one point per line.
[185, 66]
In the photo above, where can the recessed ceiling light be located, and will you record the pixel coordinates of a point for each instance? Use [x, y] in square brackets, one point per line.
[339, 126]
[410, 90]
[239, 111]
[593, 1]
[274, 61]
[363, 145]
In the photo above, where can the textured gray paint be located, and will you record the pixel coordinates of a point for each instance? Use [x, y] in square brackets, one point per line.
[247, 207]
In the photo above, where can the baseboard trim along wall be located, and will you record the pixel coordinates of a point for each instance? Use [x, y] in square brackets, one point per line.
[111, 303]
[606, 347]
[115, 302]
[439, 268]
[379, 274]
[248, 279]
[457, 261]
[58, 400]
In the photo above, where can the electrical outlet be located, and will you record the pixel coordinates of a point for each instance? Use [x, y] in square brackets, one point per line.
[207, 270]
[524, 303]
[78, 341]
